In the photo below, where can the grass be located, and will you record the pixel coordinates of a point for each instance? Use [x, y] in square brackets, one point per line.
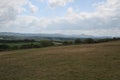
[20, 43]
[77, 62]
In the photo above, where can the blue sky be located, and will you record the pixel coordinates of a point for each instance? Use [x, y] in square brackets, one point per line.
[93, 17]
[45, 11]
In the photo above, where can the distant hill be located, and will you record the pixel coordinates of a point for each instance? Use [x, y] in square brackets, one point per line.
[41, 35]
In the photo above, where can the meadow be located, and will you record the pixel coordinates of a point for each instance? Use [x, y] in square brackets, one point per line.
[74, 62]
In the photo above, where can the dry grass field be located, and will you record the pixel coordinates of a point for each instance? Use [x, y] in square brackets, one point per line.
[78, 62]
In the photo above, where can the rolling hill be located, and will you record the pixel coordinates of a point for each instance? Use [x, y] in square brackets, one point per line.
[41, 35]
[77, 62]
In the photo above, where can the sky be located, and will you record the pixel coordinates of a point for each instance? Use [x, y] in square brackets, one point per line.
[91, 17]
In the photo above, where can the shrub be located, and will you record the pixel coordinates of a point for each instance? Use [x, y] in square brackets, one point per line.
[89, 40]
[46, 43]
[67, 42]
[77, 41]
[4, 47]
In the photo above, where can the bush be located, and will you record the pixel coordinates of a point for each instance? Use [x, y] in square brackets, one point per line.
[15, 47]
[77, 41]
[4, 47]
[67, 42]
[36, 45]
[89, 40]
[25, 46]
[46, 43]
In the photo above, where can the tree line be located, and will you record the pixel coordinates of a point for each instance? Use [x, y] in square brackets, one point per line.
[24, 44]
[16, 41]
[4, 44]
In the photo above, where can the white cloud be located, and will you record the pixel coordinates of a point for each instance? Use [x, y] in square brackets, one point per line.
[56, 3]
[104, 20]
[70, 11]
[10, 9]
[107, 15]
[33, 8]
[41, 0]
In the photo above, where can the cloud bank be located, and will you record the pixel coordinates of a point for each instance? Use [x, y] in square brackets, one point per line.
[104, 20]
[56, 3]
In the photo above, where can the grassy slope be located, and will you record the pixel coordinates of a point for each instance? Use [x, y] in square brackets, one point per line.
[79, 62]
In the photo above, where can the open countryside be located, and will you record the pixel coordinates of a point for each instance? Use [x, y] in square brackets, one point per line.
[76, 62]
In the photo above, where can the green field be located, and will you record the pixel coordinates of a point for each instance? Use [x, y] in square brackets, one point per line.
[78, 62]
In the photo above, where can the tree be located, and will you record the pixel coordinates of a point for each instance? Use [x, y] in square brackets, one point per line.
[4, 47]
[78, 41]
[46, 43]
[89, 40]
[67, 42]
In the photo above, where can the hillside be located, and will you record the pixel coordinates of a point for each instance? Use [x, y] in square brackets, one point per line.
[78, 62]
[13, 36]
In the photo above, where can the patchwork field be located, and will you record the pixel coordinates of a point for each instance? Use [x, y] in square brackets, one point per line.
[78, 62]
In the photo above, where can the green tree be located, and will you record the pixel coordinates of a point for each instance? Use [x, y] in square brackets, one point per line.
[89, 40]
[4, 47]
[67, 42]
[78, 41]
[46, 43]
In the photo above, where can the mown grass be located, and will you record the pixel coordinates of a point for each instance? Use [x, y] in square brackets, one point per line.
[77, 62]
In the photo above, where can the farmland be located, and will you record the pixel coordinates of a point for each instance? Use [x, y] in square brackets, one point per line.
[75, 62]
